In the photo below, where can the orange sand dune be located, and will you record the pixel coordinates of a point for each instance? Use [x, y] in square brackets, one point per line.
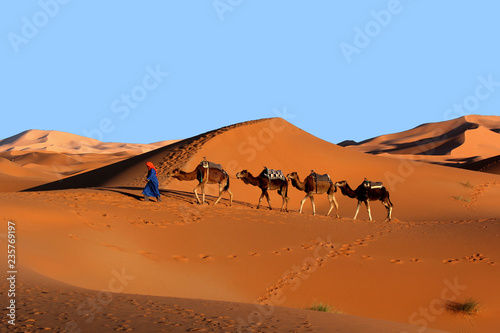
[442, 246]
[456, 142]
[45, 156]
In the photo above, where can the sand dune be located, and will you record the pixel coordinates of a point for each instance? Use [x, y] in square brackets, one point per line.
[458, 142]
[45, 156]
[61, 142]
[85, 229]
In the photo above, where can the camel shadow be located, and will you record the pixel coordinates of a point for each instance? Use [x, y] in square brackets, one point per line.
[187, 197]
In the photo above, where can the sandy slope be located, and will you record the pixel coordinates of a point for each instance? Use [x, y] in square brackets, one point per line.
[454, 142]
[443, 244]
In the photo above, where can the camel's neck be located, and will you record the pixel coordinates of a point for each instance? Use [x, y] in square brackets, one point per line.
[187, 175]
[298, 184]
[347, 190]
[252, 180]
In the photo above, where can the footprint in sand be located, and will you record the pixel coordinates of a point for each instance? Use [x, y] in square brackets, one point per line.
[254, 254]
[112, 247]
[180, 258]
[205, 256]
[148, 255]
[478, 257]
[396, 261]
[451, 261]
[276, 253]
[415, 260]
[231, 256]
[73, 236]
[367, 257]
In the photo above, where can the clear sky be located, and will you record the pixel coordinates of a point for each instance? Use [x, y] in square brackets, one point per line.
[145, 71]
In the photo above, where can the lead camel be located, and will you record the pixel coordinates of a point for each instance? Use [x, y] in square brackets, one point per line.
[205, 176]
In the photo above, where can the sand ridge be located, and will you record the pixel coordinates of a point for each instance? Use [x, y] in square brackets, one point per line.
[460, 142]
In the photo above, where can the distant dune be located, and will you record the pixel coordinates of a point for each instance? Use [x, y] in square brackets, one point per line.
[61, 142]
[45, 156]
[459, 142]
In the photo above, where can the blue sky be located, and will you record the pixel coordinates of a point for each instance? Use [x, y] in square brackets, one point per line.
[130, 71]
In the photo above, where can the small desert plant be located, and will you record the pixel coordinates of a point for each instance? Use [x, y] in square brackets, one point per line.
[467, 184]
[323, 308]
[468, 307]
[460, 198]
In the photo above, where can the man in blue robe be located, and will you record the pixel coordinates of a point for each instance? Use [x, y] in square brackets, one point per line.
[152, 187]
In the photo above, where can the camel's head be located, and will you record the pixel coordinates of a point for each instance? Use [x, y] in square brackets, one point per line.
[174, 173]
[242, 174]
[292, 175]
[341, 184]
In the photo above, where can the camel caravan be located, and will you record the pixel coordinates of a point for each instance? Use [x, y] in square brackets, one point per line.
[207, 173]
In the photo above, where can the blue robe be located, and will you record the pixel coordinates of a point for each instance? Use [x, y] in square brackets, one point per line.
[151, 189]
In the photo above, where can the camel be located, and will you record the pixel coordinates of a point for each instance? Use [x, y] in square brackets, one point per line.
[311, 185]
[205, 176]
[364, 193]
[265, 184]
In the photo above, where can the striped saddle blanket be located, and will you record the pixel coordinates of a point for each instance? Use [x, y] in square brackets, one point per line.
[372, 185]
[273, 174]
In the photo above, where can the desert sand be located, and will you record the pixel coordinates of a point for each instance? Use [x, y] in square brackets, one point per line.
[94, 257]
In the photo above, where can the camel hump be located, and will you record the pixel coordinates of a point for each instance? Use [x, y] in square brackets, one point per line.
[372, 185]
[211, 165]
[320, 178]
[272, 174]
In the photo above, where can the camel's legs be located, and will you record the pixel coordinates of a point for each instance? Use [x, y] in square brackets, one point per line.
[357, 210]
[203, 193]
[312, 204]
[260, 199]
[196, 192]
[264, 193]
[388, 206]
[368, 209]
[284, 203]
[302, 202]
[230, 197]
[268, 200]
[221, 190]
[333, 202]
